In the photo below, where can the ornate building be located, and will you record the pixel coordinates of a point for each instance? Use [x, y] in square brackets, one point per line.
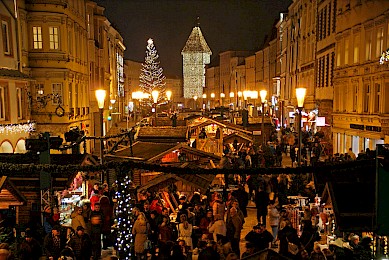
[195, 55]
[361, 83]
[14, 81]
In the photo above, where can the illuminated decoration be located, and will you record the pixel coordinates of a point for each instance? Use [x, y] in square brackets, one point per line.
[120, 74]
[384, 57]
[18, 128]
[151, 76]
[124, 218]
[195, 55]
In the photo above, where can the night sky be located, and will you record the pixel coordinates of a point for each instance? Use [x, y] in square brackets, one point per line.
[225, 24]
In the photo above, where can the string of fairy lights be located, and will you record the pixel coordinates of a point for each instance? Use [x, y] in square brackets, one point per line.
[26, 127]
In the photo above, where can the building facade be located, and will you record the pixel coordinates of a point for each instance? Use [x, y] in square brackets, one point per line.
[15, 82]
[325, 65]
[361, 83]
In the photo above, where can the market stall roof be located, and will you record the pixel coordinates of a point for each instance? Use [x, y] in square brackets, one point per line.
[201, 182]
[163, 134]
[238, 135]
[141, 151]
[353, 205]
[209, 121]
[9, 194]
[151, 152]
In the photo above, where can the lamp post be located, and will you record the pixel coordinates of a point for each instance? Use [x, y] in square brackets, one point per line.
[213, 99]
[100, 96]
[155, 95]
[169, 95]
[238, 99]
[263, 94]
[300, 96]
[195, 102]
[204, 100]
[222, 96]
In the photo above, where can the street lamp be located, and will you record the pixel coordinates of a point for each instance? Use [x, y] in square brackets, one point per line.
[155, 95]
[168, 95]
[213, 97]
[204, 100]
[238, 102]
[222, 96]
[195, 102]
[100, 96]
[263, 94]
[300, 96]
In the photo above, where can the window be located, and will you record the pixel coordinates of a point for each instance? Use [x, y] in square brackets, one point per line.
[57, 90]
[70, 95]
[6, 35]
[53, 33]
[356, 48]
[334, 18]
[329, 20]
[367, 98]
[70, 42]
[327, 70]
[39, 89]
[380, 42]
[346, 50]
[19, 102]
[369, 36]
[355, 101]
[37, 37]
[338, 53]
[2, 103]
[377, 98]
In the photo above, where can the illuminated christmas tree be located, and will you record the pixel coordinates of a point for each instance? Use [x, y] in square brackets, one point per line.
[151, 77]
[124, 218]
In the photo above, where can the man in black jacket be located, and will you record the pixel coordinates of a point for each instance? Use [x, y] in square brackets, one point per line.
[54, 243]
[81, 244]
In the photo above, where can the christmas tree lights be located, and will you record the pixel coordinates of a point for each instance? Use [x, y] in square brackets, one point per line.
[151, 77]
[124, 218]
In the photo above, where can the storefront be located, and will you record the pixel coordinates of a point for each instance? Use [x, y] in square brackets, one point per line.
[358, 137]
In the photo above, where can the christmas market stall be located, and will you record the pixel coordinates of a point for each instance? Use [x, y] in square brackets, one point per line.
[69, 186]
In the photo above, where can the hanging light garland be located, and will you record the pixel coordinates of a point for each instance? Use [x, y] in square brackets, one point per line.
[27, 127]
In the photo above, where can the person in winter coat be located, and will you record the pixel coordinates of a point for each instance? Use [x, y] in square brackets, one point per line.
[218, 206]
[218, 227]
[54, 243]
[185, 231]
[234, 228]
[77, 218]
[261, 202]
[30, 248]
[274, 218]
[309, 235]
[96, 221]
[140, 230]
[81, 244]
[287, 234]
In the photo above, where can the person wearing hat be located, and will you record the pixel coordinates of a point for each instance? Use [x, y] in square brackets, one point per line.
[54, 243]
[81, 244]
[29, 249]
[254, 237]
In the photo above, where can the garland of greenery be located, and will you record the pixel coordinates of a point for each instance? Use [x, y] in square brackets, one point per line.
[9, 169]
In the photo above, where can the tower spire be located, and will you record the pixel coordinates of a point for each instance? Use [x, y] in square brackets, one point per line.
[197, 23]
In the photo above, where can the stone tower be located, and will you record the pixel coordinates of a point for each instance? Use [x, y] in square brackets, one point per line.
[195, 55]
